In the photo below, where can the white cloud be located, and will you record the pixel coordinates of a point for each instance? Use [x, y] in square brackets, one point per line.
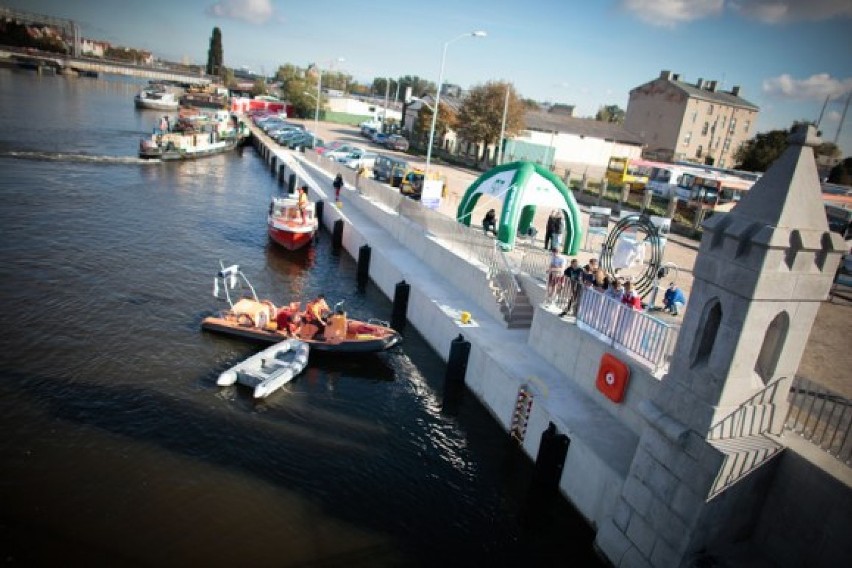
[669, 13]
[814, 88]
[252, 11]
[781, 11]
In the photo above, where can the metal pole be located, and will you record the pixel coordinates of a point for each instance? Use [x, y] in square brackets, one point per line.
[387, 96]
[503, 128]
[842, 119]
[438, 98]
[319, 96]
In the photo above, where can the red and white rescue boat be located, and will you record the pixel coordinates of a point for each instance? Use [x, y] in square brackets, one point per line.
[287, 226]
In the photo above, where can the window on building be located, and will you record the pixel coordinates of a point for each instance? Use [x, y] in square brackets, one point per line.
[770, 351]
[746, 126]
[710, 110]
[733, 126]
[727, 145]
[699, 151]
[711, 319]
[705, 128]
[694, 116]
[687, 138]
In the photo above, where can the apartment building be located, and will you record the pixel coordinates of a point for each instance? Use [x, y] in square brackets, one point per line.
[697, 122]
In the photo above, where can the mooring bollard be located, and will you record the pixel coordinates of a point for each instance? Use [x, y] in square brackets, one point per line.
[363, 266]
[319, 206]
[550, 460]
[281, 171]
[291, 184]
[337, 236]
[400, 305]
[457, 362]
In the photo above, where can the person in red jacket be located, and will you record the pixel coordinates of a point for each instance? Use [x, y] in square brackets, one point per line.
[631, 298]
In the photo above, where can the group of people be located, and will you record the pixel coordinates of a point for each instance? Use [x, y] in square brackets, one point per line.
[316, 313]
[593, 276]
[573, 278]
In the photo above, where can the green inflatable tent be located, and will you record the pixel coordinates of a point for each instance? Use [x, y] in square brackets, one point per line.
[524, 186]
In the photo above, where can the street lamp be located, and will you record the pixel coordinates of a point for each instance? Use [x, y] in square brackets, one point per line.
[319, 95]
[438, 96]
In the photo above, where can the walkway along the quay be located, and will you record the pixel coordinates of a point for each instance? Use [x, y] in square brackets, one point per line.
[667, 469]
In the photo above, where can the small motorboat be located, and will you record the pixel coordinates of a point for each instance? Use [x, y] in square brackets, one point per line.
[270, 369]
[156, 99]
[250, 317]
[286, 226]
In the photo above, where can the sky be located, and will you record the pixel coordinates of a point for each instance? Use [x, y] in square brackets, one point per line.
[787, 56]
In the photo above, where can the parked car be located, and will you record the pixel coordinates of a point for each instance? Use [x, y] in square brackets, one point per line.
[332, 145]
[283, 138]
[357, 160]
[341, 152]
[390, 169]
[396, 142]
[412, 184]
[305, 139]
[368, 132]
[379, 138]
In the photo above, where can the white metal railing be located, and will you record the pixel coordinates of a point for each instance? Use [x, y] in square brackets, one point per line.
[647, 338]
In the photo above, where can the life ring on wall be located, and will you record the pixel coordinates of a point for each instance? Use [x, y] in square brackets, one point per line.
[613, 376]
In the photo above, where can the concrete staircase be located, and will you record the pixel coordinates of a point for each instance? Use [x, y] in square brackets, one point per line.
[522, 315]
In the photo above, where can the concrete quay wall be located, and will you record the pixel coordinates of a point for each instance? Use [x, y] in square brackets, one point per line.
[501, 361]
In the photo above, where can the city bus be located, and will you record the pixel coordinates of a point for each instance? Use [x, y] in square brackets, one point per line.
[622, 170]
[716, 192]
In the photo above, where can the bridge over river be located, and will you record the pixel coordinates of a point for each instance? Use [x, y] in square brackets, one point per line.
[62, 64]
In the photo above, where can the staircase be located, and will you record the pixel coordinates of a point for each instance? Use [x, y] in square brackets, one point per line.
[521, 315]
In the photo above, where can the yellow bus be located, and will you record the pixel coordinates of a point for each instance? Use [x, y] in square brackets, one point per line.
[622, 170]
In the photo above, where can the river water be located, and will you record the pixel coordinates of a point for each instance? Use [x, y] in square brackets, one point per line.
[117, 446]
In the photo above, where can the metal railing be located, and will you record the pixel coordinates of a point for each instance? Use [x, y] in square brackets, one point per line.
[645, 337]
[822, 417]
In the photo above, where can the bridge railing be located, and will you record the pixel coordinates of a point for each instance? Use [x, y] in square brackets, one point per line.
[822, 417]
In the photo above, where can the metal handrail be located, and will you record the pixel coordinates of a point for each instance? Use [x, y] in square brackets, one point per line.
[645, 337]
[822, 417]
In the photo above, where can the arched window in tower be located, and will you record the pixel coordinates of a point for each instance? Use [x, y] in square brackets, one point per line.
[773, 344]
[708, 328]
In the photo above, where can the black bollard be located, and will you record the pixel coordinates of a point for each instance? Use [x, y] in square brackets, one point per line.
[363, 266]
[457, 363]
[400, 305]
[272, 165]
[337, 237]
[281, 171]
[291, 184]
[318, 209]
[550, 460]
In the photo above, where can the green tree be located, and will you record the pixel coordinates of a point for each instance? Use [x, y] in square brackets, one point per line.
[610, 113]
[215, 56]
[419, 87]
[530, 104]
[446, 121]
[259, 87]
[481, 113]
[757, 154]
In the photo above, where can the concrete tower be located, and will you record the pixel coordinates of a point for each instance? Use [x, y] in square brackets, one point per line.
[761, 272]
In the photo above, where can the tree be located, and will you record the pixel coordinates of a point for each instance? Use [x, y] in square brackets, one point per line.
[610, 113]
[419, 87]
[481, 113]
[757, 154]
[259, 87]
[215, 57]
[446, 120]
[841, 173]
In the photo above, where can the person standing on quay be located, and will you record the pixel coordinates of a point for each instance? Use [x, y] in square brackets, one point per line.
[553, 230]
[338, 184]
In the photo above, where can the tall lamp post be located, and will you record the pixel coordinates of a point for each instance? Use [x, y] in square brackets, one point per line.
[319, 96]
[438, 97]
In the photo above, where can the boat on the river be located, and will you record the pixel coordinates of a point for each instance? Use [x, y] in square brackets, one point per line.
[194, 135]
[250, 317]
[156, 99]
[270, 369]
[286, 226]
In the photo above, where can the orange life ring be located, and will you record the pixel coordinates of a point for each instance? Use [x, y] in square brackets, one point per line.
[613, 376]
